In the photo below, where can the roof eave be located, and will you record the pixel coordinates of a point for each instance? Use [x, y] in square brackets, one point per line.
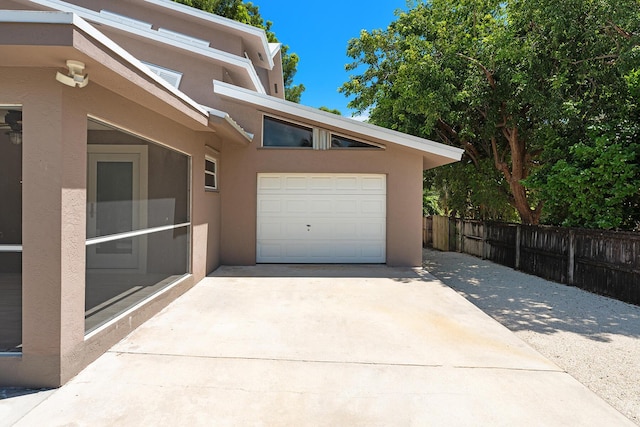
[91, 46]
[222, 122]
[446, 154]
[257, 35]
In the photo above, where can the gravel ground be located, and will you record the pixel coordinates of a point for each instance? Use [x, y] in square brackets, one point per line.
[594, 338]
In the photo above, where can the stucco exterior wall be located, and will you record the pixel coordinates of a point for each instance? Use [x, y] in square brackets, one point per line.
[54, 220]
[238, 181]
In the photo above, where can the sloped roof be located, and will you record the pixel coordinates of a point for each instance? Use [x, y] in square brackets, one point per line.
[244, 66]
[434, 153]
[107, 63]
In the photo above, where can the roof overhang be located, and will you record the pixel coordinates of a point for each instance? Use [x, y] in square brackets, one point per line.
[255, 39]
[434, 153]
[242, 67]
[47, 39]
[228, 127]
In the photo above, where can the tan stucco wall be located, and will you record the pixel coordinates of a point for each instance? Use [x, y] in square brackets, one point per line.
[238, 182]
[54, 223]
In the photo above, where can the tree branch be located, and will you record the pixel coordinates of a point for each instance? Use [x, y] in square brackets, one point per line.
[596, 58]
[627, 35]
[501, 166]
[487, 72]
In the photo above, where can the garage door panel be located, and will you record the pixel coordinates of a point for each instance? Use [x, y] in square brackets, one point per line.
[321, 218]
[371, 231]
[295, 207]
[374, 184]
[269, 183]
[350, 183]
[321, 206]
[270, 205]
[269, 230]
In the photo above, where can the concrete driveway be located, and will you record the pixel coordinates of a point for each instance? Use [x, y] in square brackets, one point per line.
[322, 346]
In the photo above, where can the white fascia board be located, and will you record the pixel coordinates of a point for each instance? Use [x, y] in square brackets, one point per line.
[333, 120]
[36, 17]
[228, 119]
[249, 30]
[71, 18]
[274, 48]
[165, 38]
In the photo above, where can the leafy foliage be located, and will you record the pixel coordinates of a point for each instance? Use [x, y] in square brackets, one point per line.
[248, 13]
[330, 110]
[522, 86]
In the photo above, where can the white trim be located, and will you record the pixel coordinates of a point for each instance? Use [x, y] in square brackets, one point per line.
[113, 237]
[211, 53]
[214, 173]
[36, 17]
[71, 18]
[227, 118]
[135, 307]
[246, 29]
[335, 121]
[275, 49]
[139, 158]
[11, 248]
[184, 38]
[125, 19]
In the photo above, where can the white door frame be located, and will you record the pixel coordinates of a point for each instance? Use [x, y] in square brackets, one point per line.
[138, 156]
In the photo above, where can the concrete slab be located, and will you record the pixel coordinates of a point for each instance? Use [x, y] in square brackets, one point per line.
[322, 345]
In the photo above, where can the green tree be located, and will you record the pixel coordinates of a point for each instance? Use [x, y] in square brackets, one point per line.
[515, 83]
[330, 110]
[248, 13]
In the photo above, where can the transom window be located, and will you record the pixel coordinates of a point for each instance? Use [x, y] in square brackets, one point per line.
[210, 173]
[280, 133]
[344, 142]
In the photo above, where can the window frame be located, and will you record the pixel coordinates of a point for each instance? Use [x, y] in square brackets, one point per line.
[321, 137]
[214, 173]
[292, 123]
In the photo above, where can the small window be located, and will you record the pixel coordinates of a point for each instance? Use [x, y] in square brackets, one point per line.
[278, 133]
[342, 142]
[210, 173]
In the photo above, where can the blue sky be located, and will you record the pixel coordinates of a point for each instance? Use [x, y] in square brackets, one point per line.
[318, 31]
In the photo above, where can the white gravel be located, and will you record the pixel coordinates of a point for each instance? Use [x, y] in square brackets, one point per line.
[594, 338]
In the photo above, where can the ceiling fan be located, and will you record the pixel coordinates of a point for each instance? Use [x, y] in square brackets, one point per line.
[12, 123]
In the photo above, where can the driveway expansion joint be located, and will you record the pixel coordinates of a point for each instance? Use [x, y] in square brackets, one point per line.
[334, 362]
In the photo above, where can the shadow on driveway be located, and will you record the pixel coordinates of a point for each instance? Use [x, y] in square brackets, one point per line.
[524, 302]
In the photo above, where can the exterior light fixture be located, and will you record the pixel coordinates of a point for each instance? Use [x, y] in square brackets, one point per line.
[74, 77]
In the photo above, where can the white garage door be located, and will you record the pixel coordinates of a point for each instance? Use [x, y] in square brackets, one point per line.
[321, 218]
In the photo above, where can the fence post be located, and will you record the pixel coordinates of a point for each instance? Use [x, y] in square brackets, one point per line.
[518, 237]
[485, 249]
[572, 256]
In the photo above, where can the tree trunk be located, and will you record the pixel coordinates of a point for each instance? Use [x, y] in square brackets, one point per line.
[514, 174]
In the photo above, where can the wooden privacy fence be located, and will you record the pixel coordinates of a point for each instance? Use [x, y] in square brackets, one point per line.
[603, 262]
